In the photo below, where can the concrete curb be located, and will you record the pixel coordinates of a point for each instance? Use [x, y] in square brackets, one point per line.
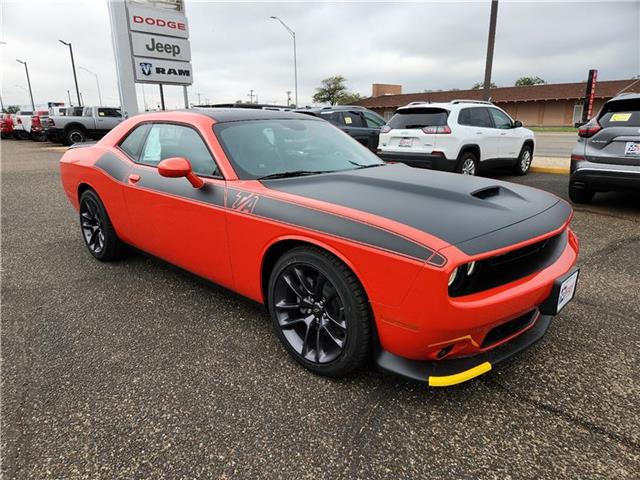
[554, 170]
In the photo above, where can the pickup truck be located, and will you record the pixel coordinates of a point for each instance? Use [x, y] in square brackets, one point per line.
[94, 123]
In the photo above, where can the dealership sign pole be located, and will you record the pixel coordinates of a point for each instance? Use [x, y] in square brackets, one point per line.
[589, 96]
[151, 46]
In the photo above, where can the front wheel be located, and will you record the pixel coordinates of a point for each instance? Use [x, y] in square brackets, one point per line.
[97, 231]
[320, 312]
[524, 161]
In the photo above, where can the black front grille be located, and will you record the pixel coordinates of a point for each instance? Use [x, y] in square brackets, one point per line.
[512, 327]
[508, 267]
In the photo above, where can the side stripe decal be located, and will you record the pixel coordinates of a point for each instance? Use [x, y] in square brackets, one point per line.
[273, 209]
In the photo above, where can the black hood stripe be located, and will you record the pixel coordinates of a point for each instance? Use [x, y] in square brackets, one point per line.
[335, 225]
[270, 208]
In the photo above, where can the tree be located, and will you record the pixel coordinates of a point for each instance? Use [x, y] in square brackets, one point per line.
[349, 98]
[334, 92]
[525, 81]
[480, 86]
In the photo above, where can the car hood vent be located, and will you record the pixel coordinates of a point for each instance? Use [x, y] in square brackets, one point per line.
[488, 192]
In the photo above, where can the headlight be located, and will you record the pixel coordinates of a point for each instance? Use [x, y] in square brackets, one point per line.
[453, 276]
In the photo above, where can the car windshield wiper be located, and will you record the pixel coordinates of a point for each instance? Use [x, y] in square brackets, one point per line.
[359, 165]
[293, 173]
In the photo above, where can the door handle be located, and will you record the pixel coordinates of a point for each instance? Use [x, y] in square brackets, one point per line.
[478, 133]
[503, 133]
[133, 178]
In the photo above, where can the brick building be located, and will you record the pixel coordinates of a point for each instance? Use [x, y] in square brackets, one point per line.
[556, 104]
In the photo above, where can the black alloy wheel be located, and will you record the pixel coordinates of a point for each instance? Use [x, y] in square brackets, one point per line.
[320, 311]
[97, 231]
[92, 226]
[310, 313]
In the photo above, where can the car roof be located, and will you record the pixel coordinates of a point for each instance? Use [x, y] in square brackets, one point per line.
[625, 96]
[221, 115]
[449, 105]
[332, 108]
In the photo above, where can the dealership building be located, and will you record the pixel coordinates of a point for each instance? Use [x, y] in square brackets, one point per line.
[554, 104]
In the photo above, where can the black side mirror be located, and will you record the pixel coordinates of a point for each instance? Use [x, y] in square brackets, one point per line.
[517, 124]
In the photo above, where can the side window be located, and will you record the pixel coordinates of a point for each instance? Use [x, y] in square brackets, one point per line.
[373, 121]
[352, 119]
[88, 112]
[479, 117]
[464, 117]
[166, 141]
[109, 112]
[132, 144]
[331, 117]
[500, 119]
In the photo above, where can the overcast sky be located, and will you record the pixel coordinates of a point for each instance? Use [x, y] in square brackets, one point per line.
[236, 47]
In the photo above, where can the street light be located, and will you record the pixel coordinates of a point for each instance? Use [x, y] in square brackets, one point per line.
[73, 66]
[26, 69]
[97, 82]
[295, 61]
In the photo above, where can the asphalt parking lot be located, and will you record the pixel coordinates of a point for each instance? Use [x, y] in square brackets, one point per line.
[136, 370]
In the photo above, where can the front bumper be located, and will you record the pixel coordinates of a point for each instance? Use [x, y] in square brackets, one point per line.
[444, 373]
[420, 160]
[502, 342]
[604, 176]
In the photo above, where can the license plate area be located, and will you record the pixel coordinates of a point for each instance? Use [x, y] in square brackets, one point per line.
[405, 142]
[632, 149]
[563, 291]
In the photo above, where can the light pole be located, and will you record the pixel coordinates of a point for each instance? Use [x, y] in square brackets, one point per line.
[97, 82]
[491, 42]
[26, 69]
[295, 60]
[73, 66]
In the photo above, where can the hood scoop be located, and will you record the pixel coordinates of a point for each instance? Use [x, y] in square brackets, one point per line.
[494, 191]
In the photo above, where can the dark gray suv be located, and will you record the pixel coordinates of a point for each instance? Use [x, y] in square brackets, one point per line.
[607, 155]
[362, 124]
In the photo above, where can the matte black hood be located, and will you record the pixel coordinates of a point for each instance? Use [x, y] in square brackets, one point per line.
[458, 209]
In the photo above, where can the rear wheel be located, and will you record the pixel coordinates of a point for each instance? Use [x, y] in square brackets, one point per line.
[74, 135]
[524, 161]
[320, 312]
[97, 231]
[468, 164]
[580, 195]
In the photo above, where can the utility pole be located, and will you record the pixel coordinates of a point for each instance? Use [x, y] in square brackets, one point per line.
[69, 95]
[295, 56]
[250, 95]
[198, 94]
[161, 97]
[289, 98]
[73, 67]
[26, 69]
[97, 82]
[490, 44]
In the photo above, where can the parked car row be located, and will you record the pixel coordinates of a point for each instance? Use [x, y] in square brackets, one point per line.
[66, 125]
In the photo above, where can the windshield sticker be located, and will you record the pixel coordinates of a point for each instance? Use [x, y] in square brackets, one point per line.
[620, 117]
[347, 120]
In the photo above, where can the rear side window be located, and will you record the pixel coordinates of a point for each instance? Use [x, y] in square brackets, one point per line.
[621, 113]
[419, 118]
[331, 117]
[109, 112]
[132, 144]
[475, 117]
[351, 119]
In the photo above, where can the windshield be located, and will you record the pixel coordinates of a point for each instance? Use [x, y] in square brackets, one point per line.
[260, 148]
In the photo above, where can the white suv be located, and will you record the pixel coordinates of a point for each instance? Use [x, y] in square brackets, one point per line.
[464, 136]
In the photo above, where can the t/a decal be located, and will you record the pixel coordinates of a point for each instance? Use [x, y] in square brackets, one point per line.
[245, 202]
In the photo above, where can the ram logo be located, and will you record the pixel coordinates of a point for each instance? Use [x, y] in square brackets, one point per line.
[146, 68]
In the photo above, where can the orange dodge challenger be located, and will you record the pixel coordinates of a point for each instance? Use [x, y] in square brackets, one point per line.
[435, 275]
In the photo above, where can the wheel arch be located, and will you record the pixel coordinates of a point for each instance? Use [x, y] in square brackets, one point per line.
[278, 247]
[77, 125]
[469, 147]
[528, 143]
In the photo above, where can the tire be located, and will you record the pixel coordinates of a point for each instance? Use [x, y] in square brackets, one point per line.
[331, 335]
[580, 195]
[98, 233]
[74, 135]
[524, 161]
[468, 164]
